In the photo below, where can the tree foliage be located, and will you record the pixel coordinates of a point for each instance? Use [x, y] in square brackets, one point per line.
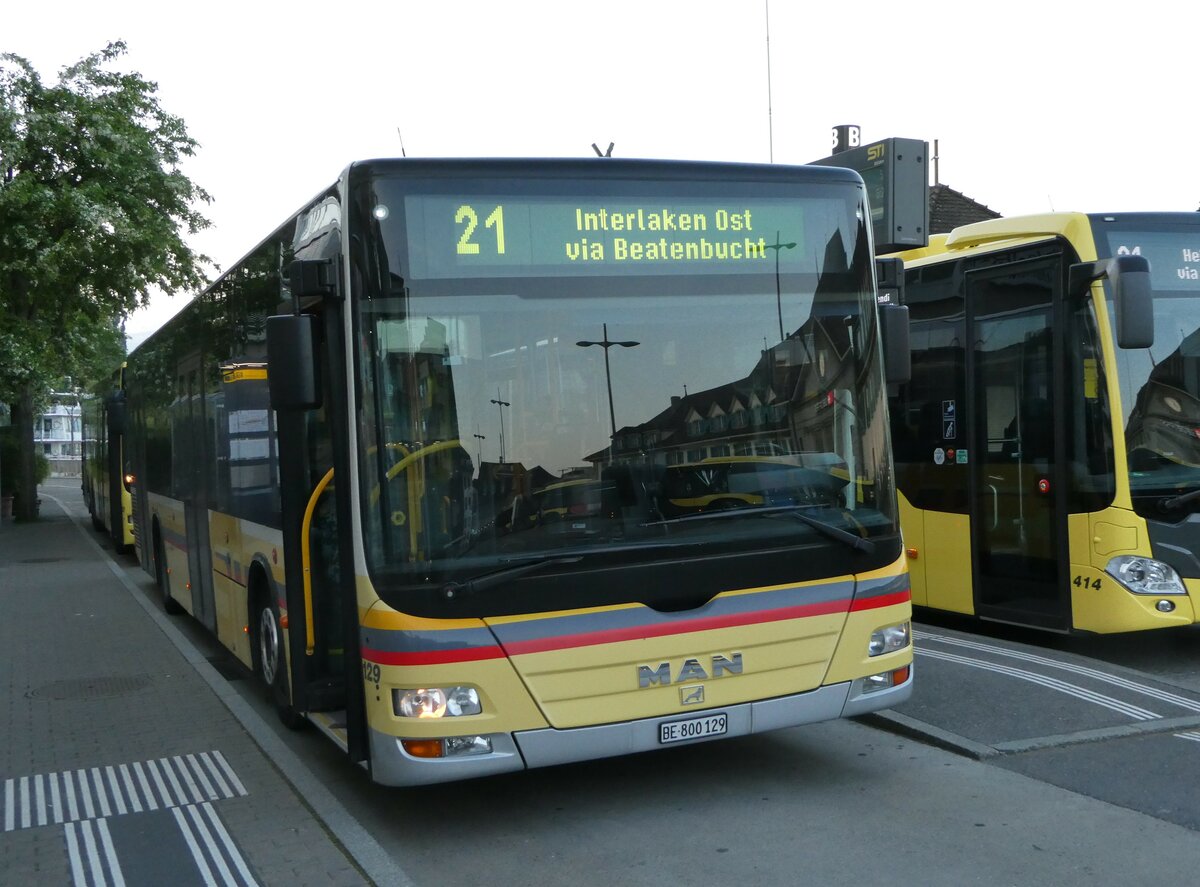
[94, 212]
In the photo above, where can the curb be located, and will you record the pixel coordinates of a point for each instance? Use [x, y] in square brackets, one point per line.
[903, 725]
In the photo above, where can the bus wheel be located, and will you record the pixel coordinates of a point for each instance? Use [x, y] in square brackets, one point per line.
[162, 579]
[271, 660]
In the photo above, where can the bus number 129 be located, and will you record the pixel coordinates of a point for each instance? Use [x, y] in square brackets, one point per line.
[467, 216]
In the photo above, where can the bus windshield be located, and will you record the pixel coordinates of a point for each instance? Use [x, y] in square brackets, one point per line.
[558, 377]
[1160, 386]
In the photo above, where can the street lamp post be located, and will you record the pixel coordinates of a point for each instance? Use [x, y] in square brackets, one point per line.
[606, 344]
[501, 404]
[777, 246]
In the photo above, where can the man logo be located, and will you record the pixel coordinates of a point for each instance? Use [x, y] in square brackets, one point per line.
[689, 670]
[691, 695]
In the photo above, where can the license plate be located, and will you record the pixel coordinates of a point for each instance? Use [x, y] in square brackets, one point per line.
[693, 728]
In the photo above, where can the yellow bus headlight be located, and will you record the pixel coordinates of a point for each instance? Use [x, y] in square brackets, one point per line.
[889, 639]
[1143, 575]
[436, 702]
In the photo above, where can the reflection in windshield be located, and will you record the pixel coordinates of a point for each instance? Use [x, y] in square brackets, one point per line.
[515, 418]
[1163, 428]
[1160, 386]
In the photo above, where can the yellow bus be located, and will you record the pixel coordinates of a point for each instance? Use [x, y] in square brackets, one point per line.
[719, 482]
[406, 460]
[104, 481]
[1047, 446]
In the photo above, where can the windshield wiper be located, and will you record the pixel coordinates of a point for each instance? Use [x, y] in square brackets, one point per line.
[858, 543]
[1182, 499]
[491, 578]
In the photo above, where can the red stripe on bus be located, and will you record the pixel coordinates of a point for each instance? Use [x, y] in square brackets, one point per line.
[615, 635]
[638, 632]
[432, 657]
[883, 600]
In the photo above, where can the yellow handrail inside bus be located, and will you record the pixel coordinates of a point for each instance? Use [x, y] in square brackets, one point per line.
[310, 642]
[415, 492]
[421, 453]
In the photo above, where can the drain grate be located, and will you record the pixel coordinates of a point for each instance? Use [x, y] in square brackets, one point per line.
[92, 688]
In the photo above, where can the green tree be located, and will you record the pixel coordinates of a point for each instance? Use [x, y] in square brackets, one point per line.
[94, 209]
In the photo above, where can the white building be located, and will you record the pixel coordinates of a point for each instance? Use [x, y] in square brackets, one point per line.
[58, 432]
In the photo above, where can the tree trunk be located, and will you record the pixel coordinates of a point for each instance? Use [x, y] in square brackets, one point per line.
[25, 506]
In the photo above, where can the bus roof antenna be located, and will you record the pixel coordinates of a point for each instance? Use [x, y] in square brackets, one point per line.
[401, 135]
[607, 153]
[770, 121]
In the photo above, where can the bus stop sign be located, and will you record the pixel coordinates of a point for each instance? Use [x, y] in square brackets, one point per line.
[896, 173]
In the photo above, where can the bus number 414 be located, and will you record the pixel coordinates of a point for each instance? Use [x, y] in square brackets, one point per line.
[1086, 582]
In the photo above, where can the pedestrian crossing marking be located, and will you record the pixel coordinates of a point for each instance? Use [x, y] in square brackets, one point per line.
[76, 795]
[84, 801]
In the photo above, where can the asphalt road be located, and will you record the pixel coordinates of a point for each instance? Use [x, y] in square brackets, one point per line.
[1115, 718]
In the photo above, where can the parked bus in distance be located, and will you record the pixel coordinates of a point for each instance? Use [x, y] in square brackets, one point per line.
[406, 460]
[1048, 444]
[105, 484]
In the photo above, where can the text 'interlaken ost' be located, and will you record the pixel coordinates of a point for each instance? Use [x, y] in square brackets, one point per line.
[690, 248]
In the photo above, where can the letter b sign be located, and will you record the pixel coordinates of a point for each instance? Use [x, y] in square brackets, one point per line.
[846, 137]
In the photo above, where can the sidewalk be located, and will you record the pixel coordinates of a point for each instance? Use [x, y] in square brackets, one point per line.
[121, 758]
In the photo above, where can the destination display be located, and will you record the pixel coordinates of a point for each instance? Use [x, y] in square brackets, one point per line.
[496, 236]
[1174, 256]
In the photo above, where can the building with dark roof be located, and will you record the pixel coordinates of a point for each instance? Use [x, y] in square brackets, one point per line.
[950, 209]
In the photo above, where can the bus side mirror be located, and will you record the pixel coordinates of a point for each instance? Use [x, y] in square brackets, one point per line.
[1133, 297]
[897, 356]
[312, 277]
[116, 416]
[1134, 301]
[291, 362]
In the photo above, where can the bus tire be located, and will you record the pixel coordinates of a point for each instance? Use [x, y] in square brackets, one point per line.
[270, 660]
[162, 578]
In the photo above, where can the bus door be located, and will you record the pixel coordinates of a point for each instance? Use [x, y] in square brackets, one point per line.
[320, 534]
[114, 422]
[314, 479]
[196, 442]
[1015, 494]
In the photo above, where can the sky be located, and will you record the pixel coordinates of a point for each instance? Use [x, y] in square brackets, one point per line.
[1048, 105]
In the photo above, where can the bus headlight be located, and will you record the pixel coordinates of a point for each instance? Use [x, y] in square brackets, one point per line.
[436, 702]
[450, 747]
[1143, 575]
[884, 680]
[889, 639]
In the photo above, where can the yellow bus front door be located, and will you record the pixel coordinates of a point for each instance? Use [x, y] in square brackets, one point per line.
[1019, 533]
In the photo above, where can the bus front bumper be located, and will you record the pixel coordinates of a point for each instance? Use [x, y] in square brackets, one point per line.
[545, 747]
